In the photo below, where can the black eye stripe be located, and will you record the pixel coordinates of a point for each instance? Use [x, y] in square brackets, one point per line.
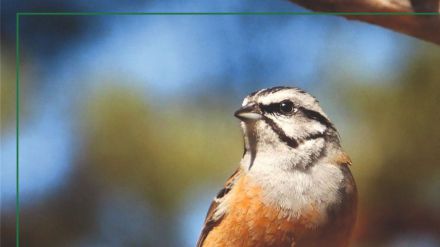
[316, 116]
[273, 108]
[311, 114]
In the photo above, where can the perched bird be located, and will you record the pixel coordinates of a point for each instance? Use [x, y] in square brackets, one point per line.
[293, 187]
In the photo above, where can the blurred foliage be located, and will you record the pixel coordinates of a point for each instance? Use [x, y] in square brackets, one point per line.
[160, 150]
[405, 124]
[28, 71]
[7, 88]
[400, 192]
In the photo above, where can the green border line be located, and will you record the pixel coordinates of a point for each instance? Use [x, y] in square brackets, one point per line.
[17, 59]
[17, 126]
[222, 13]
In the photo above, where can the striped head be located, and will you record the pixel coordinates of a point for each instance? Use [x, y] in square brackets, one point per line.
[287, 124]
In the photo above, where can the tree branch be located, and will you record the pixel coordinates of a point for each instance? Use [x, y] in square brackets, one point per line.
[422, 27]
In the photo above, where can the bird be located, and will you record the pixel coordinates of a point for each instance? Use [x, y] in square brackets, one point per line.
[293, 186]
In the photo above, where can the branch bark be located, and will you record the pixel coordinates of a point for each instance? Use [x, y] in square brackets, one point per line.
[423, 27]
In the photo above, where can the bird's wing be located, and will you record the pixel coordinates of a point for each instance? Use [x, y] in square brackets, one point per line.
[215, 216]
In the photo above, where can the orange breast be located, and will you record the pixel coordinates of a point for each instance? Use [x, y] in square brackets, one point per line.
[249, 222]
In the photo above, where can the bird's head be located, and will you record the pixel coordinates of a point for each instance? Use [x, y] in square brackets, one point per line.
[285, 121]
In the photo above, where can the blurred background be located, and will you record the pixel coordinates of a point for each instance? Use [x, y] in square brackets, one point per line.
[126, 126]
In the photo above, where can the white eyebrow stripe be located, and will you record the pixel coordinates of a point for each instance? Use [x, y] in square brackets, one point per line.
[306, 100]
[275, 97]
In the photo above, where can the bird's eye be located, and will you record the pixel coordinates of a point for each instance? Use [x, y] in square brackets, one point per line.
[287, 107]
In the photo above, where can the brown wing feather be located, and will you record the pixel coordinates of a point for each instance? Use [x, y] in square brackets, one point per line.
[210, 221]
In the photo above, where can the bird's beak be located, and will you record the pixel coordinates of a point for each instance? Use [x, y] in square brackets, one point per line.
[249, 113]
